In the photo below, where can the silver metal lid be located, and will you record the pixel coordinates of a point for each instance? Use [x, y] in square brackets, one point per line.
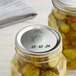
[38, 39]
[70, 5]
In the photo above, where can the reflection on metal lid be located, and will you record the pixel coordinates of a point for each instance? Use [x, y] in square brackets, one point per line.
[38, 39]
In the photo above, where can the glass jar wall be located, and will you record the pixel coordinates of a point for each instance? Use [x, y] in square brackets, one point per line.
[63, 19]
[22, 67]
[41, 61]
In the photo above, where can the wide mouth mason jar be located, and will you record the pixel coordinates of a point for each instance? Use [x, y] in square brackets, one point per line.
[63, 19]
[38, 52]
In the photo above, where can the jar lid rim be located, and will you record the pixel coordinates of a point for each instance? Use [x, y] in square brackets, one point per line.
[20, 42]
[65, 5]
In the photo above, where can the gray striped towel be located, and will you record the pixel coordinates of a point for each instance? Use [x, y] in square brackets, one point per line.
[14, 11]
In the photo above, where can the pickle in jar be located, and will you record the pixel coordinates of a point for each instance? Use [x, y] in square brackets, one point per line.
[52, 21]
[59, 15]
[30, 70]
[53, 63]
[70, 53]
[63, 72]
[35, 60]
[52, 18]
[64, 28]
[14, 72]
[16, 63]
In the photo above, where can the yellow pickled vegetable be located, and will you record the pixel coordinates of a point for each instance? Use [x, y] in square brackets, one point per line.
[62, 58]
[59, 15]
[70, 53]
[64, 28]
[15, 73]
[35, 60]
[53, 63]
[52, 22]
[64, 67]
[37, 65]
[16, 64]
[52, 18]
[63, 71]
[73, 25]
[48, 73]
[30, 70]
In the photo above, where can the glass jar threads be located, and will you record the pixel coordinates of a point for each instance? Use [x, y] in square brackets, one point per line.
[63, 19]
[38, 53]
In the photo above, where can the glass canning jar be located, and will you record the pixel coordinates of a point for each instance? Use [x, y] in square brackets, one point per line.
[38, 52]
[63, 19]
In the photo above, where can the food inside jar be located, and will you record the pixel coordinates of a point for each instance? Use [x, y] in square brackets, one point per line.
[62, 67]
[52, 21]
[59, 15]
[66, 24]
[53, 63]
[31, 69]
[70, 53]
[64, 28]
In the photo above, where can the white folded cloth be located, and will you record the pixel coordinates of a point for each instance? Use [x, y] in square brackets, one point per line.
[13, 11]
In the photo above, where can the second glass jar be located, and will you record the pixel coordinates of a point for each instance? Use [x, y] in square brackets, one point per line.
[63, 19]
